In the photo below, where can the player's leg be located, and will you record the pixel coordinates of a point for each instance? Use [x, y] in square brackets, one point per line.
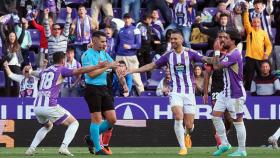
[274, 139]
[228, 121]
[70, 133]
[106, 137]
[189, 110]
[217, 120]
[40, 135]
[179, 128]
[176, 102]
[42, 117]
[236, 111]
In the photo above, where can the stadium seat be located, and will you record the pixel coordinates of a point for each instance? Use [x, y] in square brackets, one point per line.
[62, 15]
[148, 93]
[144, 78]
[199, 46]
[35, 37]
[156, 77]
[211, 10]
[2, 79]
[32, 58]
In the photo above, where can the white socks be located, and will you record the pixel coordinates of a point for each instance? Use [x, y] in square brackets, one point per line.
[277, 134]
[40, 135]
[179, 131]
[241, 135]
[70, 133]
[220, 129]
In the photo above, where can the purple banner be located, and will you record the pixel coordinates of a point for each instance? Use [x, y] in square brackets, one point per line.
[139, 108]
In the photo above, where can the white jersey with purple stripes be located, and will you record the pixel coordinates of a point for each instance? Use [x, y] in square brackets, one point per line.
[233, 74]
[51, 81]
[181, 14]
[181, 69]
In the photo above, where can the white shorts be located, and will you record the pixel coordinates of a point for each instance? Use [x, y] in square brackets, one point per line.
[55, 114]
[187, 101]
[235, 106]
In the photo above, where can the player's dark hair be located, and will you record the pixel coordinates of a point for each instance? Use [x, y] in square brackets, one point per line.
[81, 6]
[176, 31]
[224, 14]
[98, 34]
[234, 35]
[70, 49]
[58, 57]
[121, 62]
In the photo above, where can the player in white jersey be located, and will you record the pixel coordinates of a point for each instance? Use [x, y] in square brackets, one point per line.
[47, 111]
[181, 97]
[233, 97]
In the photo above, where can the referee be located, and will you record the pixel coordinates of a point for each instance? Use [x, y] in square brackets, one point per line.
[97, 95]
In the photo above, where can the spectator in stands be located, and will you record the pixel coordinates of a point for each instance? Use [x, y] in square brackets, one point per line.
[236, 17]
[258, 47]
[147, 40]
[57, 41]
[52, 5]
[122, 85]
[213, 31]
[95, 10]
[163, 6]
[277, 36]
[265, 83]
[71, 85]
[11, 54]
[184, 18]
[82, 27]
[157, 25]
[132, 7]
[115, 23]
[199, 80]
[26, 42]
[43, 53]
[28, 84]
[128, 42]
[111, 42]
[163, 88]
[166, 43]
[263, 14]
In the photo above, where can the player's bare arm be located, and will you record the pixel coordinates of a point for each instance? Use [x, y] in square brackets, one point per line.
[87, 69]
[99, 71]
[144, 68]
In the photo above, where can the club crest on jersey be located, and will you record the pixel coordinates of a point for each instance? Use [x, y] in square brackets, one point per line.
[180, 67]
[225, 59]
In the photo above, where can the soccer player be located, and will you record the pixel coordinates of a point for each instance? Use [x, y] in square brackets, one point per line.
[274, 139]
[233, 96]
[216, 87]
[181, 98]
[46, 109]
[97, 95]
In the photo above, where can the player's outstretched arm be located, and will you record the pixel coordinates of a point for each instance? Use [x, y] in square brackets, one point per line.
[145, 68]
[88, 69]
[97, 72]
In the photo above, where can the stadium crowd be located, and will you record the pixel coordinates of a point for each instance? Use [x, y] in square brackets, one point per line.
[138, 32]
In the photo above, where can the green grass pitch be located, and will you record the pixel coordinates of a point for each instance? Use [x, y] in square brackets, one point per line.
[138, 152]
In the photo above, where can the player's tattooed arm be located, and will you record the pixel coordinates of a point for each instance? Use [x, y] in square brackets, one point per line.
[208, 60]
[216, 63]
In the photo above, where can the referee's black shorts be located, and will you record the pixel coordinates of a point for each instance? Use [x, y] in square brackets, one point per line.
[98, 98]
